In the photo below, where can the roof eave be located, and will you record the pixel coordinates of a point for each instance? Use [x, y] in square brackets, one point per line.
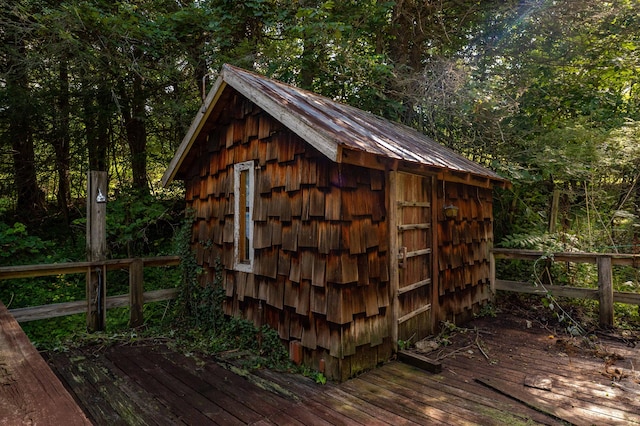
[331, 148]
[194, 130]
[375, 161]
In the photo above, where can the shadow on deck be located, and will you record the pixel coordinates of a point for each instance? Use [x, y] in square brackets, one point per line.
[497, 372]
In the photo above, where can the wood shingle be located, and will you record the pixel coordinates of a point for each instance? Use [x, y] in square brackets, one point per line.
[338, 242]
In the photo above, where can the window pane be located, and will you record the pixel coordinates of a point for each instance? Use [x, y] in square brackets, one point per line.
[243, 190]
[243, 251]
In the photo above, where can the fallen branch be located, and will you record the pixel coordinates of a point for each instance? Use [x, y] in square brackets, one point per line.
[479, 346]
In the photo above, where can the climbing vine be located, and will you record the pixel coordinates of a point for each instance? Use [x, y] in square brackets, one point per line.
[204, 327]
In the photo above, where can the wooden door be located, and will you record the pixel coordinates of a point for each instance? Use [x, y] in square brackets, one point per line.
[413, 242]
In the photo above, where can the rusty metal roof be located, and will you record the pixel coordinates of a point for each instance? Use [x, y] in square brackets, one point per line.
[331, 126]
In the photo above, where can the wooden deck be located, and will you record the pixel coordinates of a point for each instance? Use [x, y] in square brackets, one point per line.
[30, 394]
[499, 372]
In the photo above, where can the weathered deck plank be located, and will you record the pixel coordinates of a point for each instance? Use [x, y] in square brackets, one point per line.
[361, 403]
[583, 390]
[388, 399]
[181, 399]
[107, 393]
[571, 414]
[452, 384]
[442, 406]
[246, 394]
[30, 393]
[244, 411]
[580, 391]
[349, 407]
[201, 391]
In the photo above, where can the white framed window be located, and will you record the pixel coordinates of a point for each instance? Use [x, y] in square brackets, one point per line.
[243, 192]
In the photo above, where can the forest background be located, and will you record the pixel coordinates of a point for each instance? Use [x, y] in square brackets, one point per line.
[544, 92]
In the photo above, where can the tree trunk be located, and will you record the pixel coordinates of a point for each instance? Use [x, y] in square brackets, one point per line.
[30, 200]
[409, 32]
[312, 59]
[61, 142]
[309, 63]
[97, 107]
[134, 120]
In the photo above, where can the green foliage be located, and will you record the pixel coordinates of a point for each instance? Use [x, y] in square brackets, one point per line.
[317, 376]
[555, 95]
[626, 317]
[20, 293]
[447, 330]
[17, 246]
[489, 309]
[543, 92]
[203, 327]
[60, 334]
[404, 344]
[574, 159]
[207, 330]
[543, 242]
[195, 302]
[56, 334]
[140, 224]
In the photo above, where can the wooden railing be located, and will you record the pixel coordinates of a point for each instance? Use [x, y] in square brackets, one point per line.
[604, 293]
[135, 299]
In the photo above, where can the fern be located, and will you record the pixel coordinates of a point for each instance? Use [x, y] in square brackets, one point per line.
[541, 241]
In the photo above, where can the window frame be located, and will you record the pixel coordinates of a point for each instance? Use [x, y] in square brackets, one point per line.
[243, 215]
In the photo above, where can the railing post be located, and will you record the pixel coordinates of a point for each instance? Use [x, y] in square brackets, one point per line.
[492, 274]
[136, 293]
[605, 286]
[96, 288]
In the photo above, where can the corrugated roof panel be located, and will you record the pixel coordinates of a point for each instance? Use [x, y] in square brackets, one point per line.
[356, 129]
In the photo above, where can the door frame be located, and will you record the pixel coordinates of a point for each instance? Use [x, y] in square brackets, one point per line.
[394, 250]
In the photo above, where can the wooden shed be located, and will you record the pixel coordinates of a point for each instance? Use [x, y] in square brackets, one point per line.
[342, 230]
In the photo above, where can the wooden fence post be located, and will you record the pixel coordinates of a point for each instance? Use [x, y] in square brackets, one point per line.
[555, 206]
[136, 291]
[605, 286]
[96, 288]
[492, 274]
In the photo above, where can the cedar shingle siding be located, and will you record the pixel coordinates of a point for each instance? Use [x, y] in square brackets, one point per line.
[321, 268]
[331, 223]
